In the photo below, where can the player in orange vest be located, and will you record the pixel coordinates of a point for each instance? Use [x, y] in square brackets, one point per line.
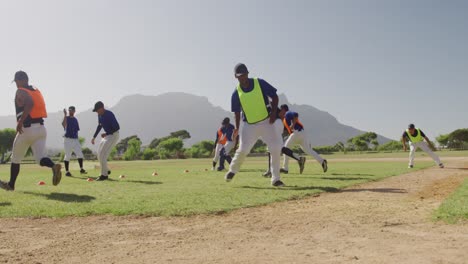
[31, 132]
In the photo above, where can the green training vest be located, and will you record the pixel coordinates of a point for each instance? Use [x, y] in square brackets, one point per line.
[415, 139]
[253, 103]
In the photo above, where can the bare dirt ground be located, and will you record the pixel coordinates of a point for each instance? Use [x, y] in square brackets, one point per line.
[379, 222]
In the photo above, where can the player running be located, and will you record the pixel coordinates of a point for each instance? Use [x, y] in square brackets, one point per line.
[224, 145]
[298, 136]
[252, 97]
[106, 120]
[30, 131]
[71, 142]
[416, 138]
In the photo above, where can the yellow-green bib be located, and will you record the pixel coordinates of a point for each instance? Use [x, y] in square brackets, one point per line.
[253, 103]
[415, 139]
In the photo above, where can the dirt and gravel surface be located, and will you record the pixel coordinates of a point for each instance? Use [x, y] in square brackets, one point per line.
[379, 222]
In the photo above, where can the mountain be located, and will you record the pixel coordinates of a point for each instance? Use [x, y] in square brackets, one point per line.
[152, 117]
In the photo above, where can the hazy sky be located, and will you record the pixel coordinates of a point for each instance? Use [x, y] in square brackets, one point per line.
[375, 65]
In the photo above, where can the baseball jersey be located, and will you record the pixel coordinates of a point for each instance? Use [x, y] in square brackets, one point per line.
[28, 120]
[289, 120]
[71, 131]
[108, 122]
[267, 90]
[405, 136]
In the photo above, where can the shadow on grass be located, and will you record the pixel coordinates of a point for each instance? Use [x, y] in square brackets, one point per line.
[453, 168]
[64, 197]
[5, 204]
[355, 174]
[144, 182]
[343, 178]
[379, 190]
[293, 188]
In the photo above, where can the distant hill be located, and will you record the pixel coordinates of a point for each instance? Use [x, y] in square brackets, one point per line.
[156, 116]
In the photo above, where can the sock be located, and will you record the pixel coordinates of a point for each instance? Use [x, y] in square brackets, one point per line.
[214, 164]
[46, 162]
[269, 162]
[288, 152]
[80, 161]
[222, 159]
[14, 171]
[67, 164]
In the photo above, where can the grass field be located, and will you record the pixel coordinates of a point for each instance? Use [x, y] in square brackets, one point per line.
[174, 192]
[455, 208]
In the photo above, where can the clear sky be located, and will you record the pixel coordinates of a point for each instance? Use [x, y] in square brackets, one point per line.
[375, 65]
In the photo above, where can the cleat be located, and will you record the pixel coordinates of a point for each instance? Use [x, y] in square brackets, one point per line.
[278, 183]
[284, 171]
[229, 176]
[301, 161]
[324, 165]
[108, 172]
[410, 166]
[441, 165]
[6, 186]
[102, 178]
[267, 174]
[220, 169]
[82, 171]
[57, 174]
[68, 174]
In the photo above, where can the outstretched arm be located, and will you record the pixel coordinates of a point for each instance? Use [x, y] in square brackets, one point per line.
[64, 122]
[403, 140]
[431, 145]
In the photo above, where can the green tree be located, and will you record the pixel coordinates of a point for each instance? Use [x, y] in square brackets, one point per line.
[7, 136]
[170, 147]
[202, 149]
[149, 154]
[123, 144]
[82, 140]
[443, 140]
[391, 146]
[133, 149]
[181, 134]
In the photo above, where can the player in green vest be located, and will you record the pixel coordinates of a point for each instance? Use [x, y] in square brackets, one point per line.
[417, 139]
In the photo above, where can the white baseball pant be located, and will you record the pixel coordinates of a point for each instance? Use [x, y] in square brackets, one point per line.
[218, 149]
[270, 134]
[300, 138]
[72, 145]
[425, 147]
[104, 150]
[34, 137]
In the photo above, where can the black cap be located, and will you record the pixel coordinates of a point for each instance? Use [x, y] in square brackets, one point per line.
[411, 126]
[226, 121]
[285, 107]
[98, 105]
[71, 108]
[240, 69]
[21, 76]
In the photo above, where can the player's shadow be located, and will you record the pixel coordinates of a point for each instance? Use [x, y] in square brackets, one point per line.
[454, 168]
[252, 170]
[5, 204]
[65, 197]
[342, 178]
[145, 182]
[293, 188]
[378, 190]
[353, 174]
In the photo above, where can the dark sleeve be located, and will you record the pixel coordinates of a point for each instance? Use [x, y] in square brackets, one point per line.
[405, 136]
[229, 133]
[296, 114]
[235, 103]
[267, 88]
[422, 133]
[99, 127]
[115, 124]
[77, 125]
[288, 118]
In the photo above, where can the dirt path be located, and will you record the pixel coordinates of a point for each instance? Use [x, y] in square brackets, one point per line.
[378, 222]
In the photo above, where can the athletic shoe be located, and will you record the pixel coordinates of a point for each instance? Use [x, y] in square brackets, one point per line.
[213, 169]
[57, 174]
[410, 166]
[267, 174]
[301, 161]
[324, 165]
[278, 183]
[229, 176]
[284, 171]
[82, 171]
[441, 165]
[6, 186]
[108, 172]
[102, 178]
[220, 169]
[68, 174]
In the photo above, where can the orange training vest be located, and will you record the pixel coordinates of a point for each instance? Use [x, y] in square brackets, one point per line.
[286, 125]
[39, 108]
[221, 140]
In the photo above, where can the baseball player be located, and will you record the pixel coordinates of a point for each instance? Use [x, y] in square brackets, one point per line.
[31, 132]
[227, 133]
[71, 141]
[286, 151]
[298, 136]
[106, 120]
[416, 138]
[258, 102]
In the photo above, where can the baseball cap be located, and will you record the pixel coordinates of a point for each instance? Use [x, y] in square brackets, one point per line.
[226, 121]
[240, 69]
[21, 76]
[71, 108]
[411, 126]
[285, 107]
[98, 105]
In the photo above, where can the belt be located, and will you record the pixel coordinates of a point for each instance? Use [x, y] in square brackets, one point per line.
[33, 125]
